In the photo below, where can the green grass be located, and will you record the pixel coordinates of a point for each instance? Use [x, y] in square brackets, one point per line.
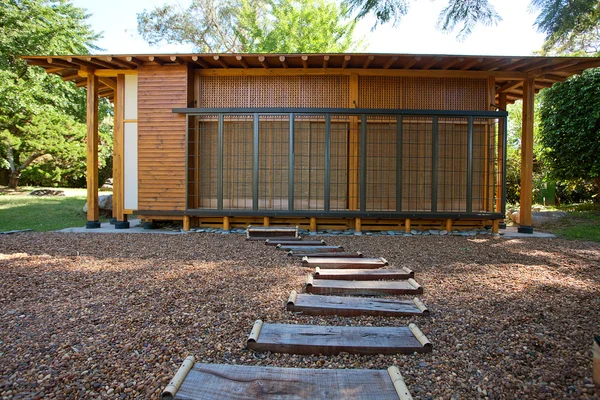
[19, 210]
[581, 223]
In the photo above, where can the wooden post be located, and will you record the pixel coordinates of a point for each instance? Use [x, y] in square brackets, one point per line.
[358, 225]
[525, 220]
[313, 224]
[499, 194]
[226, 224]
[449, 225]
[118, 155]
[495, 225]
[186, 223]
[407, 225]
[266, 221]
[353, 147]
[92, 152]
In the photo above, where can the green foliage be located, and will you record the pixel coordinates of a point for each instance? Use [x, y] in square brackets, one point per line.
[251, 26]
[570, 129]
[42, 118]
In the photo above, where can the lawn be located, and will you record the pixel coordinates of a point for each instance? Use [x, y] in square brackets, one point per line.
[19, 210]
[581, 223]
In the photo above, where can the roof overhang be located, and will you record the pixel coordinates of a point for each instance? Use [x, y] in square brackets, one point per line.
[508, 71]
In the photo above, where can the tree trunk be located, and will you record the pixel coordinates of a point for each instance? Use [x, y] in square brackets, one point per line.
[597, 198]
[13, 179]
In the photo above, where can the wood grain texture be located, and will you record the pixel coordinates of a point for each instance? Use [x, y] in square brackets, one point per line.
[285, 242]
[364, 274]
[219, 382]
[310, 304]
[330, 340]
[312, 249]
[301, 254]
[265, 238]
[333, 263]
[271, 231]
[361, 288]
[161, 136]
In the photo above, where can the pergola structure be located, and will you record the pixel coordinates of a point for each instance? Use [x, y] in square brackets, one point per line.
[167, 105]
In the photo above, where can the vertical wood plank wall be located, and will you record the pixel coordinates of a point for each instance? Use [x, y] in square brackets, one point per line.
[161, 137]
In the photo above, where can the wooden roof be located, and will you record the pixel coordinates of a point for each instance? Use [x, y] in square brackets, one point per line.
[509, 71]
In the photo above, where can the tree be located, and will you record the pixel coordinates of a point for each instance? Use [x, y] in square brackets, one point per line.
[557, 18]
[570, 128]
[251, 26]
[41, 117]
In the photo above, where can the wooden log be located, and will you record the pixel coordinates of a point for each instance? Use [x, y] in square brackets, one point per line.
[285, 242]
[311, 304]
[331, 340]
[333, 263]
[302, 254]
[364, 274]
[223, 381]
[362, 288]
[311, 249]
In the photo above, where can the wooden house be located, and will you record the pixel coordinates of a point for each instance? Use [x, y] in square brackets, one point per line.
[363, 141]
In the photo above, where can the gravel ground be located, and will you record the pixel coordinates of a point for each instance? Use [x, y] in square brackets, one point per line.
[87, 316]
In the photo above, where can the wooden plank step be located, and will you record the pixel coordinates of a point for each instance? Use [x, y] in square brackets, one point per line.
[223, 382]
[333, 263]
[314, 304]
[364, 274]
[330, 340]
[284, 242]
[271, 231]
[363, 288]
[263, 238]
[301, 254]
[311, 249]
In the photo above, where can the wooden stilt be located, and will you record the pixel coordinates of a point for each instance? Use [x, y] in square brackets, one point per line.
[313, 224]
[226, 224]
[358, 225]
[407, 225]
[449, 225]
[186, 223]
[495, 225]
[266, 221]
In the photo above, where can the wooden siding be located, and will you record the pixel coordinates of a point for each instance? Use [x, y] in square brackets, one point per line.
[161, 137]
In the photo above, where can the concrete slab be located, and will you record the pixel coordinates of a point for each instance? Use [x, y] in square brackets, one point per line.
[511, 232]
[136, 227]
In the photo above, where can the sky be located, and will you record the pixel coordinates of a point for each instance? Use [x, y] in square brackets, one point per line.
[415, 34]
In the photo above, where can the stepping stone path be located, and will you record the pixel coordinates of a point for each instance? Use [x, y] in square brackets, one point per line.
[336, 272]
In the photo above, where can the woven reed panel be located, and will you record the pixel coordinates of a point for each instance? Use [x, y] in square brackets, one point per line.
[274, 91]
[466, 94]
[161, 138]
[444, 94]
[380, 92]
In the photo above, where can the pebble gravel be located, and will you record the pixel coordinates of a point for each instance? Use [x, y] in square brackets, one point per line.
[112, 316]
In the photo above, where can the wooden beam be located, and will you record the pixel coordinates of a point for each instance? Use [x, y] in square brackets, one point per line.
[345, 62]
[119, 150]
[241, 60]
[120, 63]
[70, 77]
[92, 151]
[108, 82]
[134, 60]
[201, 62]
[88, 65]
[367, 62]
[470, 64]
[99, 63]
[304, 62]
[177, 60]
[510, 85]
[221, 62]
[390, 62]
[156, 60]
[500, 63]
[113, 73]
[525, 219]
[582, 66]
[325, 61]
[283, 61]
[431, 63]
[262, 60]
[560, 66]
[452, 63]
[60, 63]
[412, 62]
[537, 65]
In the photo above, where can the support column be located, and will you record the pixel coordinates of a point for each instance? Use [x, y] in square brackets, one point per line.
[313, 224]
[353, 148]
[118, 156]
[500, 195]
[525, 220]
[92, 152]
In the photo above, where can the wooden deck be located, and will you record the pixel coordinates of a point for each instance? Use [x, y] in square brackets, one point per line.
[330, 340]
[312, 304]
